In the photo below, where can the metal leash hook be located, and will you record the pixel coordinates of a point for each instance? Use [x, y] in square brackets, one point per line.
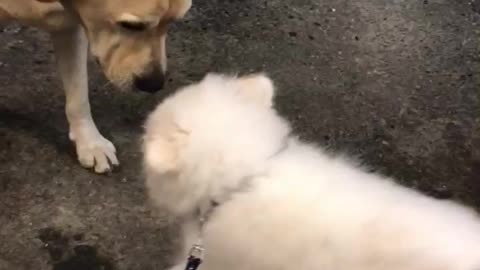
[195, 257]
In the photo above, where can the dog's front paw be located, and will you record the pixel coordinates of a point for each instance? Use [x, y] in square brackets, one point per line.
[93, 150]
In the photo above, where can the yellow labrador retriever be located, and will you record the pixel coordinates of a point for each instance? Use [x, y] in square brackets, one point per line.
[127, 37]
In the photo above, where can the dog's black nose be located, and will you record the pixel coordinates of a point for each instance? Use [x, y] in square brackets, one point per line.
[150, 83]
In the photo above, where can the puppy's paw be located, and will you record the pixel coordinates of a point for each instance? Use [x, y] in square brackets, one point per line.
[93, 150]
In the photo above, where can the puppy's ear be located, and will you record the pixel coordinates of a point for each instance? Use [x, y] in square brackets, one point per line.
[161, 151]
[161, 155]
[47, 1]
[257, 88]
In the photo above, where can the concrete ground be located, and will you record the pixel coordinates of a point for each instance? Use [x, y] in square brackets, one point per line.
[395, 82]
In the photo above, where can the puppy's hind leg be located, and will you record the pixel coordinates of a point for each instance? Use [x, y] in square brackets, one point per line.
[93, 150]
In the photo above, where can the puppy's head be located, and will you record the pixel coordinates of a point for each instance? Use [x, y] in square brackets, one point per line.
[128, 37]
[205, 139]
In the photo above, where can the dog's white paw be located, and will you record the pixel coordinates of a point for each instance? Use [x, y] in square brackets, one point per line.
[93, 150]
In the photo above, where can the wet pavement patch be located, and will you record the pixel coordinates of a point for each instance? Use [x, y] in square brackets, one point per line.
[67, 254]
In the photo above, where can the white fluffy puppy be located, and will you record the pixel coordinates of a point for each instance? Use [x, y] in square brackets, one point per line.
[217, 151]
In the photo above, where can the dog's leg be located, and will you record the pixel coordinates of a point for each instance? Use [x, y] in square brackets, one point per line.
[3, 15]
[93, 150]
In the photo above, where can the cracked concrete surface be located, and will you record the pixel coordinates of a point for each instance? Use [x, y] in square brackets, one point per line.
[394, 82]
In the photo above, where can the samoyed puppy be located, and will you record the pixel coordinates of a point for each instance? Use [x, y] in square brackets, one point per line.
[219, 157]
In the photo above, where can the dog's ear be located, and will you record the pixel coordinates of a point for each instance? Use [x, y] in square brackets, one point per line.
[257, 88]
[161, 151]
[180, 8]
[47, 1]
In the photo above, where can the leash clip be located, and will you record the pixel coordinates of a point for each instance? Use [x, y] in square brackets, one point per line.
[196, 251]
[195, 257]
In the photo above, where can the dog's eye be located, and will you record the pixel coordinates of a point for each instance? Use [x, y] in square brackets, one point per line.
[133, 26]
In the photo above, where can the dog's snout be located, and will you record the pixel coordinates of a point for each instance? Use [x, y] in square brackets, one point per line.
[151, 82]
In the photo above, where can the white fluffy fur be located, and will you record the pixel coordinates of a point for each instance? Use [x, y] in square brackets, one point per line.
[294, 209]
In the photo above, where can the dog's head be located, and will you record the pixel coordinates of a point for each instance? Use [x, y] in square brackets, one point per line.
[205, 139]
[127, 37]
